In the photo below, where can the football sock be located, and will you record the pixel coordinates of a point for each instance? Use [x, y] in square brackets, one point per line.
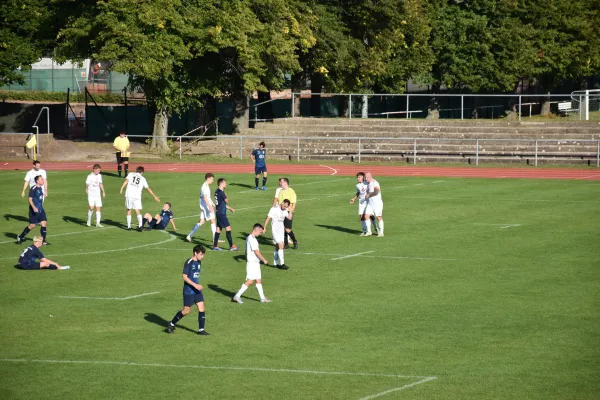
[139, 218]
[213, 228]
[195, 229]
[90, 212]
[261, 293]
[280, 256]
[177, 317]
[292, 236]
[285, 239]
[216, 239]
[229, 238]
[98, 217]
[256, 182]
[52, 266]
[264, 181]
[119, 169]
[129, 221]
[381, 227]
[126, 169]
[364, 225]
[25, 232]
[242, 290]
[374, 222]
[276, 257]
[143, 222]
[201, 319]
[43, 232]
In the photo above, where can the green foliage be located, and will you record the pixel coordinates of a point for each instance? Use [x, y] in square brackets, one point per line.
[23, 95]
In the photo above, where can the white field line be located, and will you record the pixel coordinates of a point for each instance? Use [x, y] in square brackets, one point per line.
[502, 226]
[333, 169]
[108, 298]
[85, 253]
[90, 230]
[373, 396]
[215, 367]
[299, 184]
[352, 255]
[497, 199]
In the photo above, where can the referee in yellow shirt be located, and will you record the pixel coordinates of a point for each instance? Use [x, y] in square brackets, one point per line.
[288, 193]
[121, 145]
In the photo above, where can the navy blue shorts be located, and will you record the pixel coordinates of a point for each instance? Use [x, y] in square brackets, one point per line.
[154, 224]
[260, 170]
[38, 217]
[222, 221]
[191, 299]
[33, 265]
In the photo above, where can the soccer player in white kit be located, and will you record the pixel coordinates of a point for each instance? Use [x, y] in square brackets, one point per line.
[277, 215]
[207, 208]
[253, 259]
[93, 185]
[30, 179]
[135, 183]
[375, 201]
[364, 209]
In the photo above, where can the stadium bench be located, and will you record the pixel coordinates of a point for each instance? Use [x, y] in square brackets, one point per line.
[566, 107]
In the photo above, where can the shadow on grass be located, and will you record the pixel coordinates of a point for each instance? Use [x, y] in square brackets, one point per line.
[242, 185]
[340, 229]
[160, 321]
[81, 221]
[21, 218]
[227, 293]
[14, 236]
[266, 240]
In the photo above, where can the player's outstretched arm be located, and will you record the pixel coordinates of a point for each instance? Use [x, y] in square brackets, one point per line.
[123, 186]
[260, 257]
[266, 224]
[230, 209]
[152, 193]
[173, 223]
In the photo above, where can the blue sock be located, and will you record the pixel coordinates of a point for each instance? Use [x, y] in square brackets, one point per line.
[143, 222]
[194, 229]
[25, 232]
[43, 231]
[216, 239]
[229, 238]
[176, 318]
[52, 266]
[201, 320]
[264, 181]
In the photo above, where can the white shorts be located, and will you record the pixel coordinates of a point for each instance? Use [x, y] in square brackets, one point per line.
[133, 204]
[253, 271]
[205, 213]
[278, 237]
[364, 208]
[95, 201]
[377, 207]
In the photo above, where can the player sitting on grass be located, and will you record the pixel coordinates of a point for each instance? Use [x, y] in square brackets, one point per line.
[29, 257]
[160, 221]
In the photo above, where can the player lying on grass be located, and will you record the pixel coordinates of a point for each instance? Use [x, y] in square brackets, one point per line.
[160, 221]
[30, 256]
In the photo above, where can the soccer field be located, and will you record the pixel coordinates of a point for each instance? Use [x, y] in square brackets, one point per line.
[480, 289]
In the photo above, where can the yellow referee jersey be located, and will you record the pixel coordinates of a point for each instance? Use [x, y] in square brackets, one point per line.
[121, 143]
[287, 194]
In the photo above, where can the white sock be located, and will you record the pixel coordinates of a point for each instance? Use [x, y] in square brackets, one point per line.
[213, 228]
[241, 291]
[139, 217]
[98, 217]
[261, 293]
[129, 221]
[280, 254]
[381, 227]
[90, 212]
[368, 225]
[275, 257]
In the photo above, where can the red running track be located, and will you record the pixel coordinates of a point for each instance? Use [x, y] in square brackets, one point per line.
[342, 170]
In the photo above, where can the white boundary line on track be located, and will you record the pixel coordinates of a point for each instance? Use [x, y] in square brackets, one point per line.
[108, 298]
[333, 169]
[353, 255]
[427, 379]
[216, 367]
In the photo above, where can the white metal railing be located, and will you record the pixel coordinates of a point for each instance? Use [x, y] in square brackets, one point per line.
[37, 129]
[355, 146]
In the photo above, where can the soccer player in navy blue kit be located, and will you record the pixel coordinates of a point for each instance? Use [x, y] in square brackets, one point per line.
[37, 215]
[160, 221]
[192, 291]
[260, 165]
[221, 205]
[30, 256]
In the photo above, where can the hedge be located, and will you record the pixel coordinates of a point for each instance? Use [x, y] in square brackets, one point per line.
[6, 95]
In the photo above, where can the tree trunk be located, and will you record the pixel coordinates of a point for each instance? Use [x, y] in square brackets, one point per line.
[316, 86]
[241, 112]
[512, 112]
[298, 85]
[546, 105]
[159, 133]
[433, 110]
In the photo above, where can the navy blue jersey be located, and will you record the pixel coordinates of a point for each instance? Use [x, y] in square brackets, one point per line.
[29, 255]
[259, 157]
[165, 217]
[220, 198]
[37, 194]
[191, 268]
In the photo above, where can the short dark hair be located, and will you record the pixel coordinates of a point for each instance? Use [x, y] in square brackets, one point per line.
[96, 166]
[258, 226]
[121, 133]
[199, 249]
[221, 180]
[286, 201]
[139, 169]
[262, 144]
[286, 180]
[209, 175]
[37, 178]
[360, 174]
[36, 162]
[166, 202]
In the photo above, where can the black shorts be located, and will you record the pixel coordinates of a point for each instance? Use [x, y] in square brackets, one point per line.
[260, 170]
[222, 221]
[121, 159]
[191, 299]
[32, 265]
[38, 217]
[287, 223]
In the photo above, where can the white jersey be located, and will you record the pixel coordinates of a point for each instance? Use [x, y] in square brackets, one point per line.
[362, 189]
[205, 193]
[135, 184]
[31, 174]
[251, 246]
[93, 183]
[372, 185]
[277, 217]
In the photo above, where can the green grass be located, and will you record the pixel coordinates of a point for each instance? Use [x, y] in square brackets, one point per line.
[491, 312]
